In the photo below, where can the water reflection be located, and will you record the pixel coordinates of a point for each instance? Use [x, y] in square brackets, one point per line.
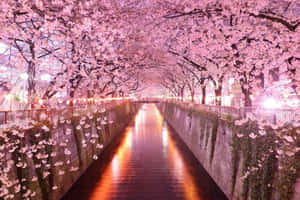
[149, 164]
[114, 171]
[181, 171]
[165, 135]
[176, 163]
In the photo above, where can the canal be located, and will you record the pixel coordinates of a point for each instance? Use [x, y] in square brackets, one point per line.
[148, 161]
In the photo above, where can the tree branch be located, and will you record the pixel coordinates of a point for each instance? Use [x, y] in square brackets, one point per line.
[292, 26]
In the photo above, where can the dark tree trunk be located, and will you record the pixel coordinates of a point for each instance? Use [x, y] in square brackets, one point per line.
[247, 90]
[31, 84]
[248, 101]
[203, 95]
[192, 92]
[72, 94]
[247, 93]
[218, 95]
[31, 77]
[193, 96]
[90, 94]
[182, 93]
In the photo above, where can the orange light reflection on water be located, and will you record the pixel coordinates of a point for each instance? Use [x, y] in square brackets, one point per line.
[114, 170]
[117, 168]
[175, 159]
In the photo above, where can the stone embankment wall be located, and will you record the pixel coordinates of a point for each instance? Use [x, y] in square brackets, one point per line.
[41, 160]
[245, 160]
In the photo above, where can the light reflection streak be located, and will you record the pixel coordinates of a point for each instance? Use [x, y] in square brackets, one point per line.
[159, 118]
[176, 161]
[165, 135]
[118, 168]
[115, 169]
[139, 119]
[180, 170]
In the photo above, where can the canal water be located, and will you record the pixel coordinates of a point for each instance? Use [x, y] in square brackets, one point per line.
[148, 162]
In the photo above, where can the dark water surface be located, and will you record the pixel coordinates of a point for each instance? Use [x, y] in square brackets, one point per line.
[148, 161]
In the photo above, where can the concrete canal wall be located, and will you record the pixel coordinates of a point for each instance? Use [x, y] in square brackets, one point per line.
[41, 160]
[245, 162]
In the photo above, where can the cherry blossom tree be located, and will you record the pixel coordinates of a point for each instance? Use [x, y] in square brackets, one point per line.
[233, 33]
[99, 45]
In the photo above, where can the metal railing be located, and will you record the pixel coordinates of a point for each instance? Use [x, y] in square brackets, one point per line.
[271, 115]
[49, 113]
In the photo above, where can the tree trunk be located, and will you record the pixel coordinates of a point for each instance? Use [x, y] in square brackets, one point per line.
[203, 95]
[248, 101]
[72, 94]
[89, 94]
[31, 77]
[192, 92]
[193, 96]
[218, 96]
[182, 93]
[246, 90]
[31, 85]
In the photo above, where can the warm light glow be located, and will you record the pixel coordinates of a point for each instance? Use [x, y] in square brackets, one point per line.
[139, 120]
[165, 135]
[271, 103]
[40, 101]
[115, 169]
[293, 102]
[227, 100]
[209, 99]
[24, 100]
[46, 77]
[231, 81]
[181, 171]
[8, 97]
[24, 76]
[286, 95]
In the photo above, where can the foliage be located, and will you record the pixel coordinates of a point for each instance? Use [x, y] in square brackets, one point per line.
[180, 46]
[269, 157]
[264, 156]
[36, 156]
